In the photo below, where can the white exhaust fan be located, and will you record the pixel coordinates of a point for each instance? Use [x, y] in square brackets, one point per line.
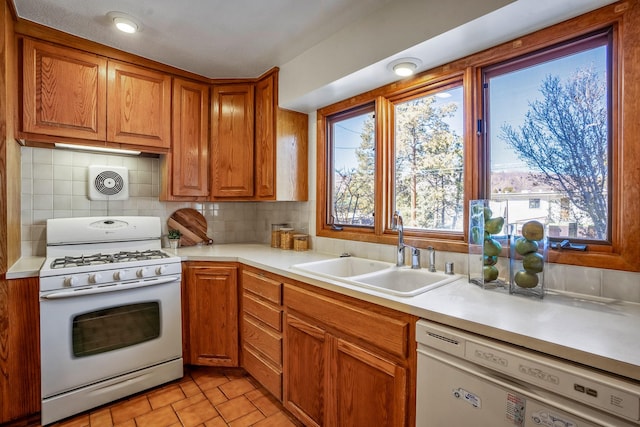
[108, 183]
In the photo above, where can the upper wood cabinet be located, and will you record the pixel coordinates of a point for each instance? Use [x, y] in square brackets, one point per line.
[64, 92]
[73, 94]
[139, 107]
[232, 149]
[185, 170]
[281, 146]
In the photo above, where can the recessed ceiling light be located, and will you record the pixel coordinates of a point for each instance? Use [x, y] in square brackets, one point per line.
[405, 66]
[124, 22]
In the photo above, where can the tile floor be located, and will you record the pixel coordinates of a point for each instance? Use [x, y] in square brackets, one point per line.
[204, 397]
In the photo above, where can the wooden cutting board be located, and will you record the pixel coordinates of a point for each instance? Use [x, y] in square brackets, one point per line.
[191, 224]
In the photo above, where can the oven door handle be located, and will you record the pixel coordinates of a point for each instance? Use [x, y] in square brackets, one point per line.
[101, 289]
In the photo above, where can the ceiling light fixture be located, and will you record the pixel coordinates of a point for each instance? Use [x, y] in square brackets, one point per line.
[404, 67]
[124, 22]
[96, 149]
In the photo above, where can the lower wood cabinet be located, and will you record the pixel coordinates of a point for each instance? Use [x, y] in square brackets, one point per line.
[347, 362]
[210, 314]
[19, 349]
[262, 328]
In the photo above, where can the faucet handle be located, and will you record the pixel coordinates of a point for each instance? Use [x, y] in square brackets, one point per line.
[415, 258]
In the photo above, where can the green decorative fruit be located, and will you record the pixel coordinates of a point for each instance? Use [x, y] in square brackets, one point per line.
[524, 246]
[525, 279]
[533, 262]
[489, 273]
[490, 260]
[487, 214]
[476, 235]
[492, 247]
[494, 225]
[533, 230]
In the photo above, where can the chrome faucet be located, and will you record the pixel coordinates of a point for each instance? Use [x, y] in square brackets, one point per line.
[432, 259]
[396, 224]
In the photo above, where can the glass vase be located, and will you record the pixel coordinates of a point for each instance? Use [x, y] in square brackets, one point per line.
[528, 259]
[488, 243]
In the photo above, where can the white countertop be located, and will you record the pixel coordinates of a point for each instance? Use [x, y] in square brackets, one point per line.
[604, 334]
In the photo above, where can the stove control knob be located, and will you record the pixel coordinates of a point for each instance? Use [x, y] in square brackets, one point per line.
[142, 272]
[95, 278]
[161, 270]
[71, 281]
[119, 275]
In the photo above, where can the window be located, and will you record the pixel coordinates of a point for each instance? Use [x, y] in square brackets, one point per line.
[429, 163]
[548, 131]
[353, 168]
[497, 136]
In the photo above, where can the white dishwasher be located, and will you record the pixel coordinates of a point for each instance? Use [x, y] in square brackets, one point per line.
[464, 380]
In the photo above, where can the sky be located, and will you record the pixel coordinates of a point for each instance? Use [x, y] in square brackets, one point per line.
[506, 105]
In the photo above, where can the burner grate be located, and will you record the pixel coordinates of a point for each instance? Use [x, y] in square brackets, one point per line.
[99, 258]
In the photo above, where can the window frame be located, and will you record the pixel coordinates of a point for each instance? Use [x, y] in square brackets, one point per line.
[623, 252]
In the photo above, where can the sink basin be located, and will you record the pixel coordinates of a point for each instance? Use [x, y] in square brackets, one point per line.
[343, 267]
[377, 275]
[404, 281]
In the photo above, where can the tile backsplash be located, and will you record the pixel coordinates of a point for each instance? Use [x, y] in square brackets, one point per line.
[54, 185]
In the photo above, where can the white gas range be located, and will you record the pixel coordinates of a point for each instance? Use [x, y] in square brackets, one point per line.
[110, 313]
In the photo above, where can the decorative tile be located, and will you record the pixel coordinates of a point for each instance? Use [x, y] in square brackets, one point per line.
[166, 396]
[247, 420]
[101, 418]
[236, 387]
[235, 408]
[197, 413]
[130, 409]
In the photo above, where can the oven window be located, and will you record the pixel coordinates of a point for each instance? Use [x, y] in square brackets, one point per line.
[112, 328]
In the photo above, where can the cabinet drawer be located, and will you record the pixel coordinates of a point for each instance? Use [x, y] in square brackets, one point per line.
[267, 288]
[263, 339]
[262, 310]
[385, 332]
[269, 376]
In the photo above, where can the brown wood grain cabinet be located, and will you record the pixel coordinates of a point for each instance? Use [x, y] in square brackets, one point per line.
[347, 362]
[262, 328]
[185, 169]
[83, 97]
[139, 106]
[64, 92]
[19, 349]
[232, 147]
[210, 314]
[281, 146]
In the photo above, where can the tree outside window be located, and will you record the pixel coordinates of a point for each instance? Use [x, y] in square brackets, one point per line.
[429, 162]
[549, 137]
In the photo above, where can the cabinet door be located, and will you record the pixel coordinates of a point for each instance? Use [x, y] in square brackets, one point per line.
[139, 108]
[305, 370]
[232, 151]
[266, 106]
[189, 172]
[368, 388]
[20, 349]
[64, 92]
[213, 315]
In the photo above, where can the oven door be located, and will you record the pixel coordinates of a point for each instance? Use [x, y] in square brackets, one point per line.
[91, 337]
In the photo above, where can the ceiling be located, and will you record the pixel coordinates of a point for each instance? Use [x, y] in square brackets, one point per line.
[212, 38]
[327, 50]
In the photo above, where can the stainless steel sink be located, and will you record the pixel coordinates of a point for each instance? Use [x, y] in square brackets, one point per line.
[377, 275]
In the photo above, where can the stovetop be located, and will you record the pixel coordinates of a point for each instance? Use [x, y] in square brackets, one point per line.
[100, 258]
